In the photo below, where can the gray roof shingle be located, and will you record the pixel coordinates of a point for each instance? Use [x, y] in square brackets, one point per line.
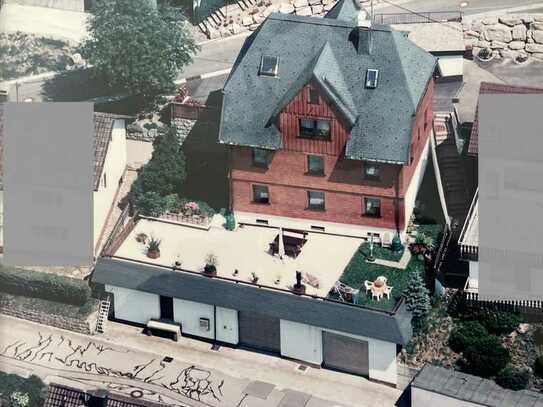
[323, 49]
[473, 389]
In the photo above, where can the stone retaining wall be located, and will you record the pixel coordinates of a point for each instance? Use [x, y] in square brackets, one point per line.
[509, 36]
[71, 324]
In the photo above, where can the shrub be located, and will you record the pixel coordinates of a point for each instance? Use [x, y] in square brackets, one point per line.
[29, 283]
[538, 366]
[150, 204]
[230, 222]
[485, 357]
[495, 322]
[153, 245]
[203, 206]
[13, 386]
[465, 335]
[513, 378]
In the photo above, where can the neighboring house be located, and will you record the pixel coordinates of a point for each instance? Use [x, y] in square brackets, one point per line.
[437, 386]
[328, 122]
[327, 134]
[469, 236]
[109, 167]
[444, 40]
[64, 396]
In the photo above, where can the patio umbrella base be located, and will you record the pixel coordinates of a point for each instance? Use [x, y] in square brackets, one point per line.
[370, 259]
[298, 289]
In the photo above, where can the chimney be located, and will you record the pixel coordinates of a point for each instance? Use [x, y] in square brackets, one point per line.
[363, 32]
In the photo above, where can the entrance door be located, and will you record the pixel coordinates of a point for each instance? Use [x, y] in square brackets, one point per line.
[259, 331]
[345, 354]
[166, 308]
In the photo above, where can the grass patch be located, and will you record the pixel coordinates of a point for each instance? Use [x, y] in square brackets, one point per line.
[32, 386]
[380, 252]
[358, 271]
[27, 54]
[19, 302]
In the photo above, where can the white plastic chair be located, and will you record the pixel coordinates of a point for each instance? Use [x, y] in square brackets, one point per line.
[368, 285]
[388, 290]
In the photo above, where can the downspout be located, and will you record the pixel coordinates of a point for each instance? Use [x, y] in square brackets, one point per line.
[397, 201]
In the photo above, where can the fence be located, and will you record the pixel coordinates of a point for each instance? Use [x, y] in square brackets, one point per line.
[120, 231]
[201, 113]
[423, 17]
[531, 309]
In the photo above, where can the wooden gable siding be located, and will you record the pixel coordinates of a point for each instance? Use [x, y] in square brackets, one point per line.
[299, 107]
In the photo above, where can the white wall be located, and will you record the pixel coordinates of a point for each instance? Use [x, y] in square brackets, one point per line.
[134, 306]
[425, 398]
[416, 181]
[474, 270]
[304, 342]
[188, 314]
[304, 224]
[114, 167]
[227, 325]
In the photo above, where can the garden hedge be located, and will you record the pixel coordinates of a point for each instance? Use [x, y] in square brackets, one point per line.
[485, 357]
[466, 334]
[33, 386]
[47, 286]
[495, 322]
[513, 378]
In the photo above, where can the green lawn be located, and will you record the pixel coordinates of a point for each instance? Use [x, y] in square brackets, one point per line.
[357, 271]
[380, 252]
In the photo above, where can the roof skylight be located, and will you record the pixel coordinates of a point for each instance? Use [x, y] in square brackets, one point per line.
[269, 65]
[371, 78]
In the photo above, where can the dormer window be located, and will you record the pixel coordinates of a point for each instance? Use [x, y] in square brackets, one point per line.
[371, 171]
[314, 128]
[269, 65]
[371, 78]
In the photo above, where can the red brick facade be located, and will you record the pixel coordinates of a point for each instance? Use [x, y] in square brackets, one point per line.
[343, 183]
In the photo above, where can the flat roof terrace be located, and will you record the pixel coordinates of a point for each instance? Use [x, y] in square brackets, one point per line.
[323, 258]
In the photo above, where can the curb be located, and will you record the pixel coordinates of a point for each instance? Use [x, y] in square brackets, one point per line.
[203, 76]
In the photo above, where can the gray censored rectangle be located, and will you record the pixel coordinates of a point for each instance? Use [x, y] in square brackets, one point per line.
[48, 184]
[511, 197]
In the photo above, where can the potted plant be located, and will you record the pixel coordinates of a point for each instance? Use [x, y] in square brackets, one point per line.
[141, 238]
[153, 248]
[210, 268]
[254, 278]
[485, 55]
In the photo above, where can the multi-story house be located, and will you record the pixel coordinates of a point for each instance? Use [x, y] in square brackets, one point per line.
[328, 123]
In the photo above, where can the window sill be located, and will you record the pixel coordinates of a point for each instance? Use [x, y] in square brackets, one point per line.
[314, 174]
[260, 203]
[366, 215]
[309, 208]
[261, 166]
[311, 137]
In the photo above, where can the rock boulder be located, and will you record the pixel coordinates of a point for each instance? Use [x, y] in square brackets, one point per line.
[519, 32]
[534, 48]
[498, 32]
[510, 21]
[517, 45]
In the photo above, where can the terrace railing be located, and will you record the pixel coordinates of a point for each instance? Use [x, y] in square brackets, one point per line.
[422, 17]
[200, 220]
[122, 228]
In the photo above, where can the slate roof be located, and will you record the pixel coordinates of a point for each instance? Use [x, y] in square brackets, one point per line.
[473, 389]
[346, 10]
[324, 49]
[487, 88]
[64, 396]
[391, 327]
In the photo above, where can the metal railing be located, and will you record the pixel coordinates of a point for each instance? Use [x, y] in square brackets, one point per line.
[468, 251]
[422, 17]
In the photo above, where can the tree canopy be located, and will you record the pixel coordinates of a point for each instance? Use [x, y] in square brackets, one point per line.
[136, 47]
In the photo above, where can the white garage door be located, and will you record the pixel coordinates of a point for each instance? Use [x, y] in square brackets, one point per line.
[134, 306]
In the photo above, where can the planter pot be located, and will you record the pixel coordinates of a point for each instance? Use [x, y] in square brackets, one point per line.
[153, 254]
[210, 270]
[484, 61]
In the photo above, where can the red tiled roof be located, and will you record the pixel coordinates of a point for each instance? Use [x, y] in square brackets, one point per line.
[494, 88]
